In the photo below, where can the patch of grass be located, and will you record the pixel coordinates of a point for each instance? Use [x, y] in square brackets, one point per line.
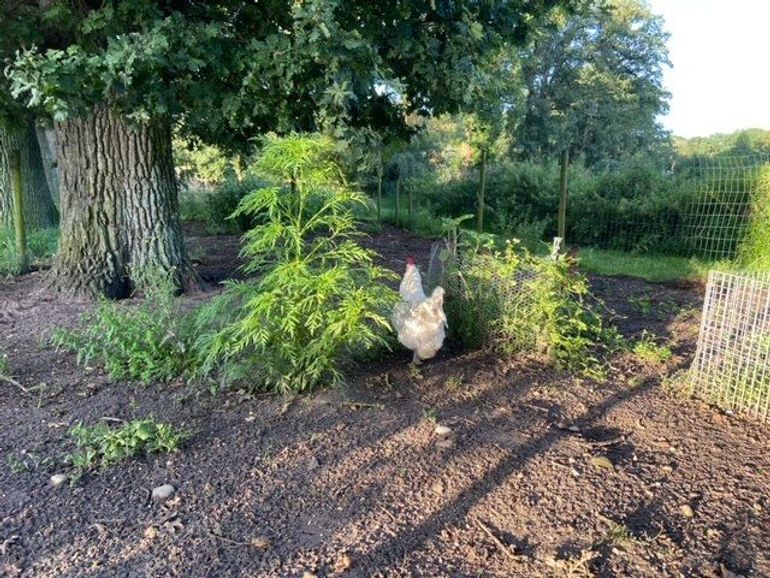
[102, 446]
[150, 341]
[648, 350]
[422, 222]
[5, 366]
[656, 268]
[41, 246]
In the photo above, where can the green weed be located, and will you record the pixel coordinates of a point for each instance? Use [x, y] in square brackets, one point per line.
[5, 366]
[518, 302]
[149, 341]
[316, 295]
[642, 304]
[648, 350]
[454, 382]
[27, 462]
[100, 446]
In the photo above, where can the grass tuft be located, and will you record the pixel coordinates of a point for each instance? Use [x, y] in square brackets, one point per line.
[41, 246]
[655, 268]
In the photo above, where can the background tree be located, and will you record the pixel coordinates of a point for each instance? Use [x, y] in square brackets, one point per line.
[594, 84]
[17, 131]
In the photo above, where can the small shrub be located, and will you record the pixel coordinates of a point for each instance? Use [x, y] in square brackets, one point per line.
[318, 296]
[148, 341]
[648, 350]
[102, 446]
[221, 207]
[754, 251]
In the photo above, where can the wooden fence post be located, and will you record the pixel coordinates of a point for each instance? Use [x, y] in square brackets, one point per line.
[22, 259]
[563, 200]
[482, 190]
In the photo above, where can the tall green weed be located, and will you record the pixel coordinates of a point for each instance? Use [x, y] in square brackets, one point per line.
[315, 295]
[515, 301]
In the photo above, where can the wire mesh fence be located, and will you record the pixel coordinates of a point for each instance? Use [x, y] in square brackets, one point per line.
[701, 208]
[706, 212]
[732, 363]
[719, 214]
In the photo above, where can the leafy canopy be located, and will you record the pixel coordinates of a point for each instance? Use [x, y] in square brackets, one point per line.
[594, 83]
[231, 69]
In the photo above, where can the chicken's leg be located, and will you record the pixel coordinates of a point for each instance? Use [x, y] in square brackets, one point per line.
[416, 359]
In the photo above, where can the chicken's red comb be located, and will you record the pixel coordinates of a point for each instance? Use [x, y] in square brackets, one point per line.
[411, 260]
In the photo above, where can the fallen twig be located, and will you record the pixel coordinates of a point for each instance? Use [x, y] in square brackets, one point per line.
[611, 442]
[12, 381]
[537, 407]
[502, 547]
[228, 540]
[585, 557]
[115, 419]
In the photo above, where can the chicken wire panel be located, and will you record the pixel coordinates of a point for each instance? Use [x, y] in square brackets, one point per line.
[717, 218]
[732, 363]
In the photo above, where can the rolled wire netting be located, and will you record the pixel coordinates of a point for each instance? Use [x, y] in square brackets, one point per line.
[499, 297]
[731, 368]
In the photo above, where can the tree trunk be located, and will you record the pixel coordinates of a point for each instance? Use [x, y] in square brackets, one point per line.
[47, 141]
[20, 230]
[39, 210]
[119, 200]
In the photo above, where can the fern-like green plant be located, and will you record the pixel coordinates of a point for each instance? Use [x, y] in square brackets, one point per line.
[315, 293]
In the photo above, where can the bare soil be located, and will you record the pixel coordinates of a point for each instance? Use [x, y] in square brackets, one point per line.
[355, 482]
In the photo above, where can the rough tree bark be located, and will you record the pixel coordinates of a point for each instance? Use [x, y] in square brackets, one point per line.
[119, 204]
[39, 208]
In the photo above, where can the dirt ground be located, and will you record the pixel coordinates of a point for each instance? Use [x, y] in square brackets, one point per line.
[356, 482]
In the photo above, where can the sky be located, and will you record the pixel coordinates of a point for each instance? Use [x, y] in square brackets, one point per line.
[720, 51]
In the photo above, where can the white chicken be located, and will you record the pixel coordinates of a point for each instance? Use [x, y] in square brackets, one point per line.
[419, 320]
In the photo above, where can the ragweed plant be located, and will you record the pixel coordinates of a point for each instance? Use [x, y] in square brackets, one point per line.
[315, 294]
